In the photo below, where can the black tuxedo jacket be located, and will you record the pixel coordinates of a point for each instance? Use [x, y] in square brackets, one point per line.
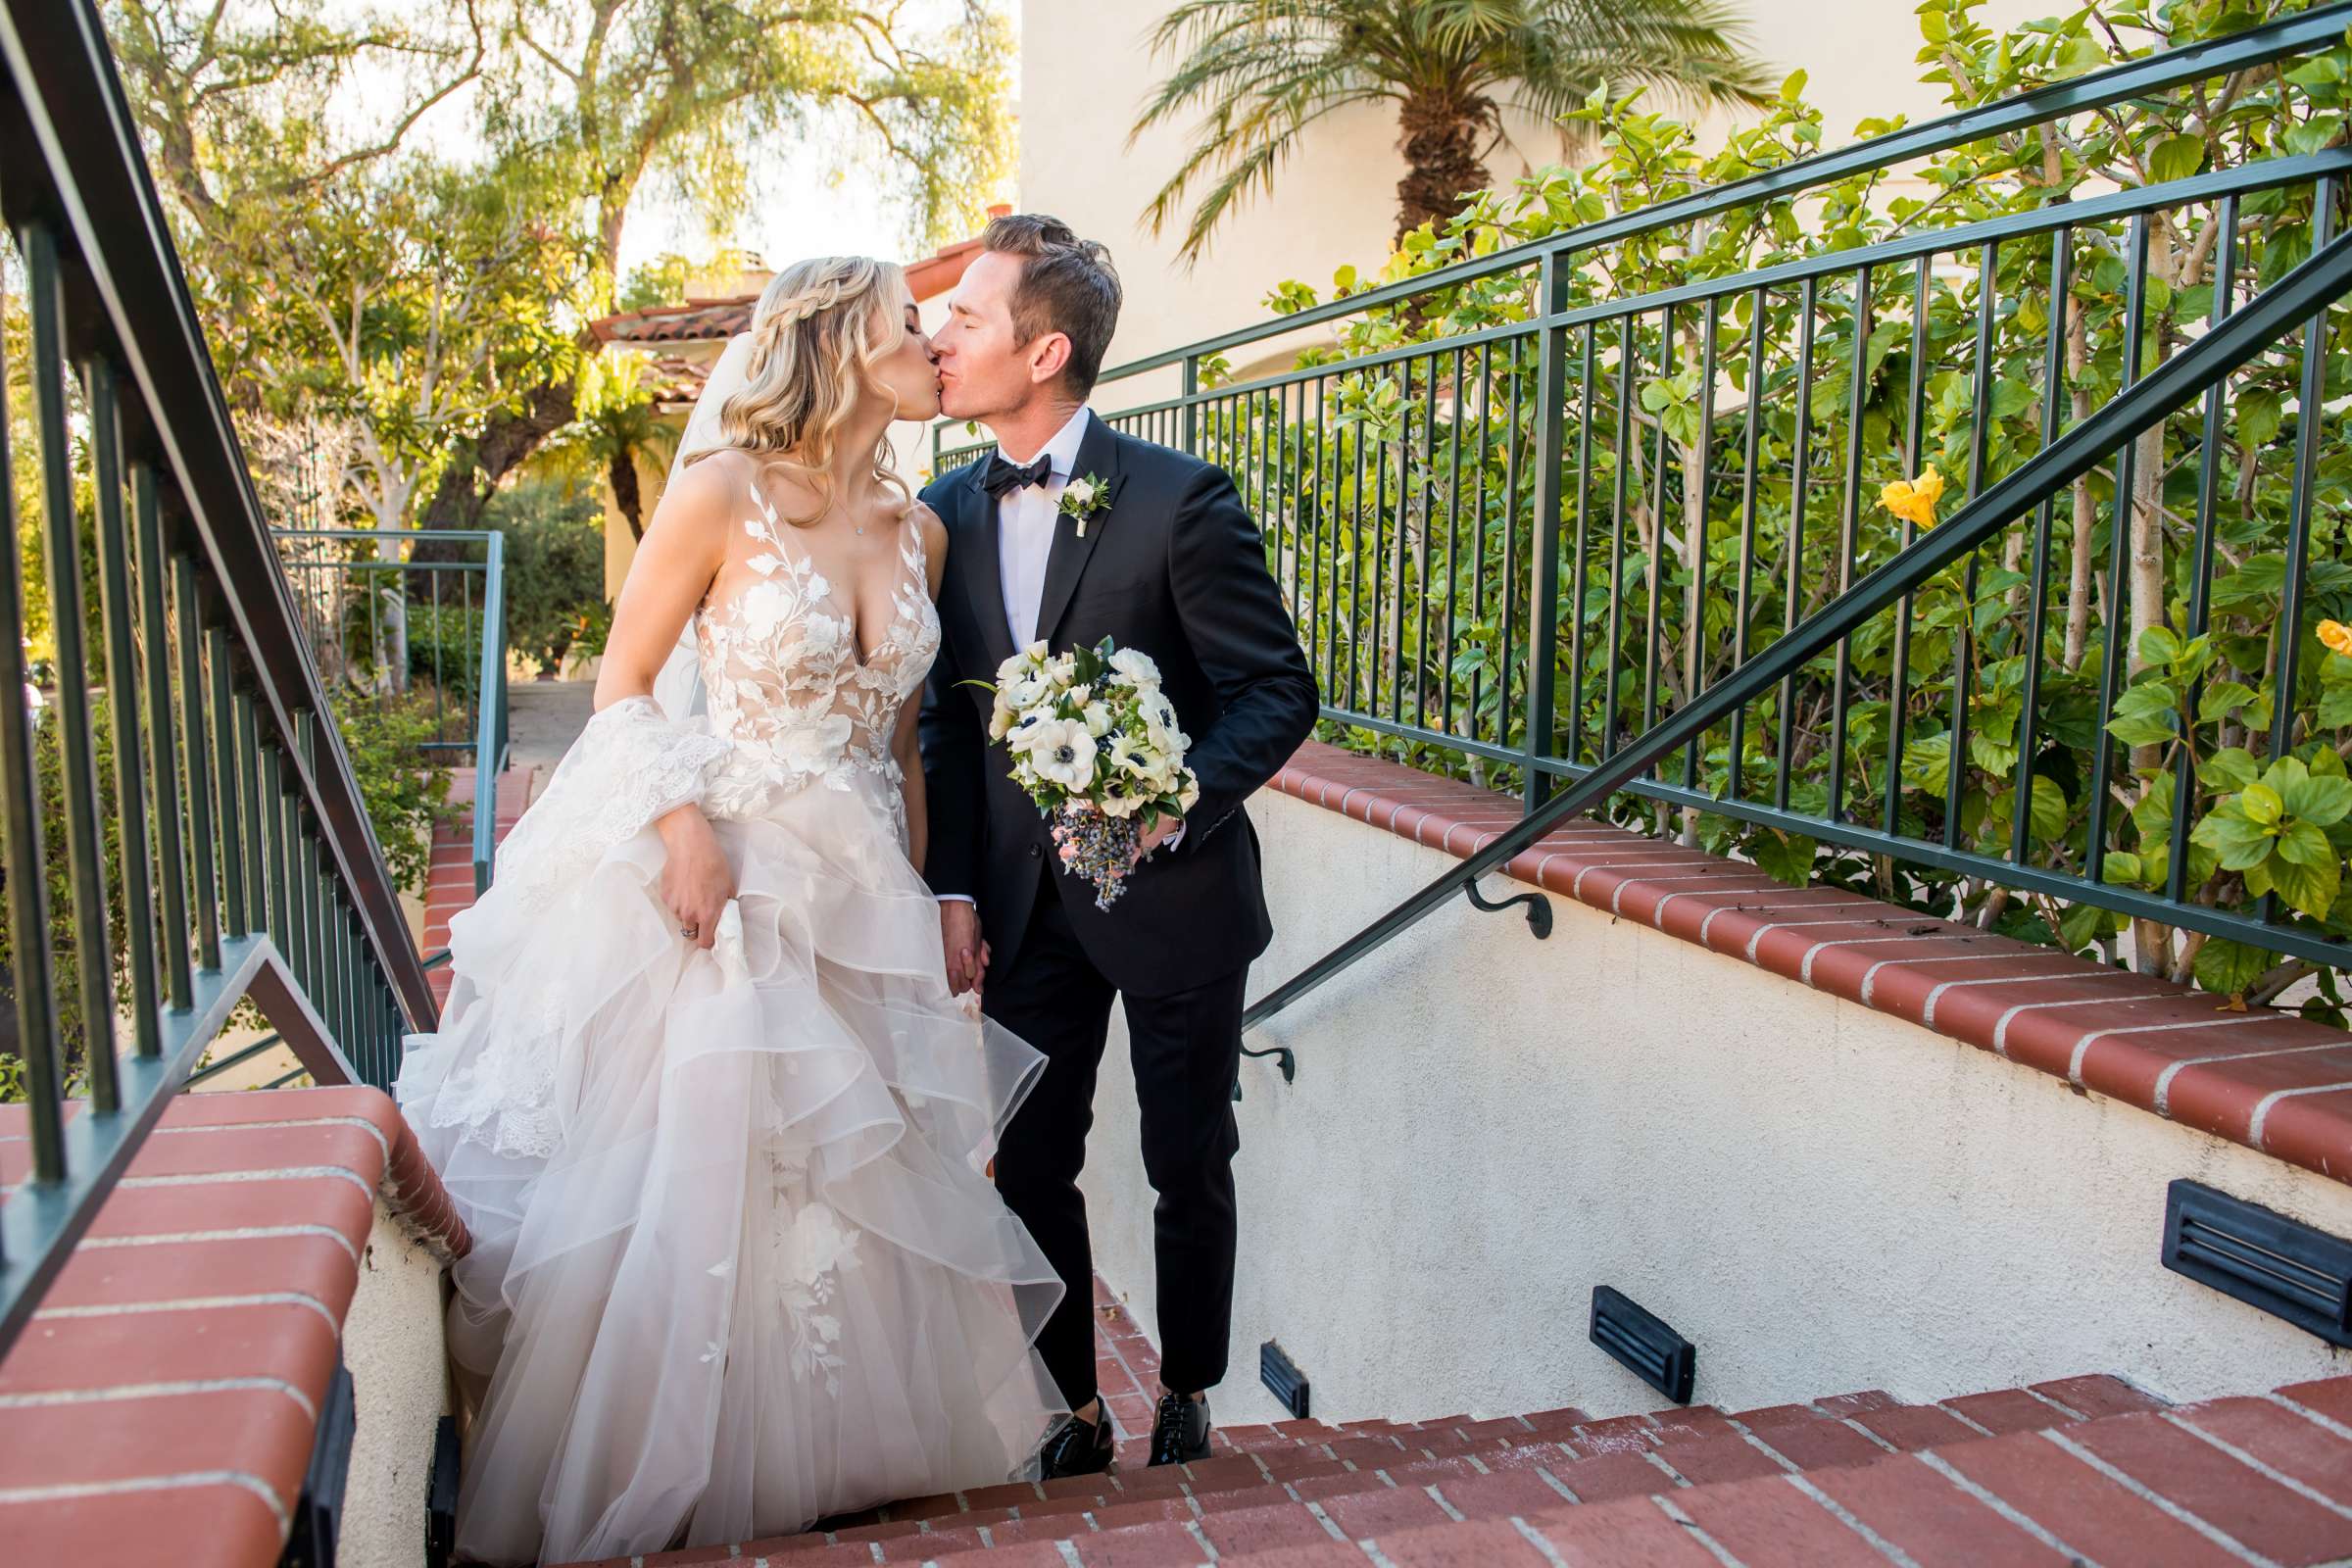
[1175, 568]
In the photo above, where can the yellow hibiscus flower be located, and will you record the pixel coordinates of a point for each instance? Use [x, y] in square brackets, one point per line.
[1914, 500]
[2337, 636]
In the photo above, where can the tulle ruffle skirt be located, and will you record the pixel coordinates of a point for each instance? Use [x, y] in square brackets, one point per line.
[737, 1265]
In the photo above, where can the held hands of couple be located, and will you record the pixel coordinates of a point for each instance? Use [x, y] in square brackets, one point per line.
[966, 951]
[696, 880]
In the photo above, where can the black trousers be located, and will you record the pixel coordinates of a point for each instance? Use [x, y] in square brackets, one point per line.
[1186, 1050]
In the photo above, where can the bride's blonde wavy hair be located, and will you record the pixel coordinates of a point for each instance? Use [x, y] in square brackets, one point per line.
[820, 328]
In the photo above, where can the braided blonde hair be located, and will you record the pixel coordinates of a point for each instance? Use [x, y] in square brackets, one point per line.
[819, 327]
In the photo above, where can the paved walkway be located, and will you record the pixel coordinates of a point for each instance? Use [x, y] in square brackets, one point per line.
[543, 718]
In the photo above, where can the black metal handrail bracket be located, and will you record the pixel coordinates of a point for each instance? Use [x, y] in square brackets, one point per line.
[248, 865]
[1472, 530]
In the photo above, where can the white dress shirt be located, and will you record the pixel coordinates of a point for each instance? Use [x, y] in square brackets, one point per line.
[1025, 522]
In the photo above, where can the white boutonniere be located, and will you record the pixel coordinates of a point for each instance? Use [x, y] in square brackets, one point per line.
[1082, 500]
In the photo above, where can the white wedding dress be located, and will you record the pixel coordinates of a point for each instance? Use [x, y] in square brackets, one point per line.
[736, 1263]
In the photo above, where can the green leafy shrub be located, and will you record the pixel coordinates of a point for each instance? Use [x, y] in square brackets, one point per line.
[406, 794]
[555, 567]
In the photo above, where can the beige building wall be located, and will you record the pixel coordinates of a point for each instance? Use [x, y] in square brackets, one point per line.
[1086, 71]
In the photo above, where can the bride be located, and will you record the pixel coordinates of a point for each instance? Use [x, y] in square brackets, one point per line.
[701, 1093]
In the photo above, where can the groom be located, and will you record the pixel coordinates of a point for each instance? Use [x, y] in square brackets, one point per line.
[1173, 567]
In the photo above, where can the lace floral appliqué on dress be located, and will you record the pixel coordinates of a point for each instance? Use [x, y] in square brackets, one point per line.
[788, 686]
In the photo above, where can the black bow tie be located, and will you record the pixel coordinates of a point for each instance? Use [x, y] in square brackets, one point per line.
[1004, 477]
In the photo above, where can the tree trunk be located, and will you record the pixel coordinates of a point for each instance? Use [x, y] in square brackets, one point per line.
[622, 475]
[1440, 154]
[506, 443]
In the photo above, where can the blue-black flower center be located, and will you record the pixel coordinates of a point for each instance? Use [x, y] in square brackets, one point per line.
[1066, 754]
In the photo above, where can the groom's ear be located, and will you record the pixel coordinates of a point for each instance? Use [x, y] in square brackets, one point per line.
[1049, 356]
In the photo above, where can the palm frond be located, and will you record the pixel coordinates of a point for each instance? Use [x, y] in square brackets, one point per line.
[1256, 73]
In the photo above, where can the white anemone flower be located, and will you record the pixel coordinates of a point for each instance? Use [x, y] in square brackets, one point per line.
[1062, 752]
[1138, 667]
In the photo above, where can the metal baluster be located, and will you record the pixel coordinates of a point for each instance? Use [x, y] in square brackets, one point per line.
[440, 684]
[1505, 663]
[2223, 274]
[222, 716]
[1694, 631]
[1543, 561]
[249, 792]
[1394, 606]
[1654, 590]
[123, 714]
[202, 891]
[2113, 654]
[1326, 562]
[1899, 680]
[274, 841]
[1794, 595]
[2311, 417]
[1379, 560]
[1625, 450]
[1964, 651]
[2021, 824]
[1429, 510]
[1453, 555]
[1478, 544]
[37, 1044]
[1736, 778]
[1857, 377]
[162, 759]
[78, 772]
[1356, 560]
[1287, 486]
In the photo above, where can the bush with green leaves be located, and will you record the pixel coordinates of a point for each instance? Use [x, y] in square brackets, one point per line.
[1689, 540]
[555, 567]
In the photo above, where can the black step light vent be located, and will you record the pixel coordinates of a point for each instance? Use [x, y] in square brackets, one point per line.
[1282, 1377]
[2284, 1266]
[1643, 1345]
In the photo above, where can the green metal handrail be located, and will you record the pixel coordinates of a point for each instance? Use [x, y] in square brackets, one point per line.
[2319, 282]
[248, 868]
[1357, 515]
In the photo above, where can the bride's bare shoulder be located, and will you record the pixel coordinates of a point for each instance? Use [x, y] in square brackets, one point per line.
[705, 493]
[934, 534]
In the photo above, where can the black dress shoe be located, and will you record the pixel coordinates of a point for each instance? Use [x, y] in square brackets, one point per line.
[1180, 1429]
[1079, 1448]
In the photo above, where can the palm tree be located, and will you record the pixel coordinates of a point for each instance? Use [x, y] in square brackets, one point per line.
[1260, 73]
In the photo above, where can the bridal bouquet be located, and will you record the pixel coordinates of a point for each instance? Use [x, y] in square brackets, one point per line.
[1096, 745]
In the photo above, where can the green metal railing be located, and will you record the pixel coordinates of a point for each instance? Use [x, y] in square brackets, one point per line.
[246, 866]
[1561, 548]
[421, 629]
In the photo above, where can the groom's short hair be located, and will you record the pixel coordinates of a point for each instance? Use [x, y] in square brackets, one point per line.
[1067, 285]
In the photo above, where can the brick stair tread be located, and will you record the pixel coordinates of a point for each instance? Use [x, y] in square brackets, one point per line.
[1833, 1475]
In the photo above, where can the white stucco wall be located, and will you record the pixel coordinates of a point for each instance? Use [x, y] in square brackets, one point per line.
[1822, 1198]
[392, 1345]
